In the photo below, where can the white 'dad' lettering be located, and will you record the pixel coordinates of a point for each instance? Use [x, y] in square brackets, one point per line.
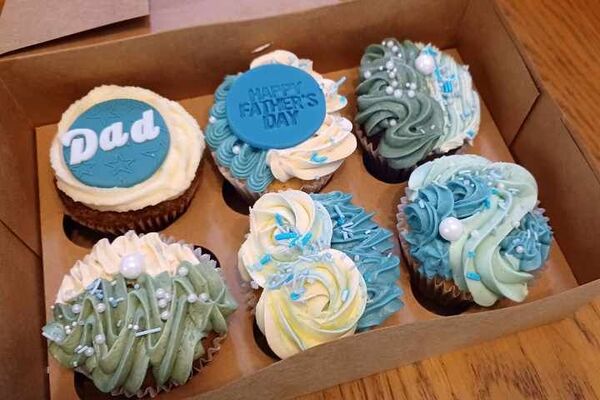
[84, 142]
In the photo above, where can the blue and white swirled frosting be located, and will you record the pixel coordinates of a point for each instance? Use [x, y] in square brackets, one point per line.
[476, 222]
[416, 100]
[292, 234]
[320, 155]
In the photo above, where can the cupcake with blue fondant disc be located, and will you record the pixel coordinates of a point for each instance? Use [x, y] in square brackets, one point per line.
[320, 268]
[415, 103]
[277, 126]
[472, 231]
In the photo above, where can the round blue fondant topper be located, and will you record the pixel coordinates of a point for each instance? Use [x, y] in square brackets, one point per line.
[275, 106]
[116, 143]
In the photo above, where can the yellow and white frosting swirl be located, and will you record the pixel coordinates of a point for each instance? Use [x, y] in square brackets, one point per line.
[315, 300]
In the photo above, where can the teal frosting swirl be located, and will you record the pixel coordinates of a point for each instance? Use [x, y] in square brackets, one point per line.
[132, 335]
[434, 203]
[395, 106]
[243, 161]
[502, 235]
[530, 242]
[370, 246]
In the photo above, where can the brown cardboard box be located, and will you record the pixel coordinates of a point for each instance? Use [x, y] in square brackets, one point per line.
[519, 121]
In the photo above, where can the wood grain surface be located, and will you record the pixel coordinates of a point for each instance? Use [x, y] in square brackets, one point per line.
[558, 361]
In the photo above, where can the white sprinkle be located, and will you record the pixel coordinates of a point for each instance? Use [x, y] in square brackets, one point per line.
[76, 308]
[261, 48]
[135, 327]
[100, 307]
[162, 303]
[89, 352]
[393, 122]
[367, 74]
[164, 315]
[147, 332]
[192, 298]
[160, 293]
[183, 271]
[204, 297]
[129, 326]
[100, 339]
[212, 119]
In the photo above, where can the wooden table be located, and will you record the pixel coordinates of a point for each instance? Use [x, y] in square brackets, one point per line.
[557, 361]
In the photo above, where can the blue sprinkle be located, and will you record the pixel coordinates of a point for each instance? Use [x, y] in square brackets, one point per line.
[471, 133]
[474, 276]
[285, 235]
[339, 213]
[494, 191]
[344, 294]
[295, 296]
[279, 219]
[486, 203]
[471, 254]
[447, 87]
[306, 238]
[265, 259]
[317, 158]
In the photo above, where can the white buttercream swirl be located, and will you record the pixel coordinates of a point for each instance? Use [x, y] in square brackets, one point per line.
[171, 180]
[104, 261]
[318, 156]
[281, 225]
[323, 302]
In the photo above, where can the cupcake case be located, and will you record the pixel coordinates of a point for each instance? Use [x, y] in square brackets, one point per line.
[241, 365]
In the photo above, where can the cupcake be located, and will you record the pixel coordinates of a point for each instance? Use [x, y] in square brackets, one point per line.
[304, 252]
[277, 127]
[471, 231]
[125, 158]
[415, 103]
[139, 315]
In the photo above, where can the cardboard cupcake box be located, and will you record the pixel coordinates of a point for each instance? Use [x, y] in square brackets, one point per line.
[519, 122]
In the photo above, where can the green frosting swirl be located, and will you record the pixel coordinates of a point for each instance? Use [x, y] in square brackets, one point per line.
[123, 328]
[395, 107]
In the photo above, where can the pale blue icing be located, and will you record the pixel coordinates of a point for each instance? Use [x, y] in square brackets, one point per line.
[530, 242]
[243, 161]
[370, 246]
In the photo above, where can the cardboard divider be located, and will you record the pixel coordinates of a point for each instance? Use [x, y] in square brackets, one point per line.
[544, 141]
[211, 223]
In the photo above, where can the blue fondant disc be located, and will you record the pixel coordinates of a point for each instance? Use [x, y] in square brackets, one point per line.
[275, 106]
[120, 159]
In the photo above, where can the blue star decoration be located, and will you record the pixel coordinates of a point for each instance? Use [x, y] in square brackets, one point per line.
[121, 165]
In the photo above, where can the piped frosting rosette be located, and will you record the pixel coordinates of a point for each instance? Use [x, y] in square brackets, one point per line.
[324, 267]
[312, 161]
[137, 307]
[413, 102]
[475, 223]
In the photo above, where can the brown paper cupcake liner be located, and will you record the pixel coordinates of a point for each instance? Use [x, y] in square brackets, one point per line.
[148, 219]
[250, 197]
[443, 292]
[379, 166]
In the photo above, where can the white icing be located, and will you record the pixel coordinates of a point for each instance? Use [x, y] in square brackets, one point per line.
[299, 213]
[320, 155]
[168, 182]
[105, 259]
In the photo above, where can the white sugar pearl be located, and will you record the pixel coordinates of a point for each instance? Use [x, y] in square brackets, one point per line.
[413, 86]
[367, 74]
[425, 64]
[135, 327]
[451, 229]
[76, 308]
[390, 44]
[389, 65]
[395, 49]
[519, 249]
[100, 339]
[100, 307]
[411, 93]
[168, 296]
[164, 315]
[89, 352]
[389, 90]
[394, 83]
[204, 297]
[132, 265]
[212, 119]
[160, 293]
[398, 93]
[500, 186]
[393, 122]
[391, 74]
[162, 303]
[236, 149]
[130, 326]
[192, 298]
[183, 271]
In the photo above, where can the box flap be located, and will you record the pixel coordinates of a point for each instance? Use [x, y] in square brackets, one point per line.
[56, 19]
